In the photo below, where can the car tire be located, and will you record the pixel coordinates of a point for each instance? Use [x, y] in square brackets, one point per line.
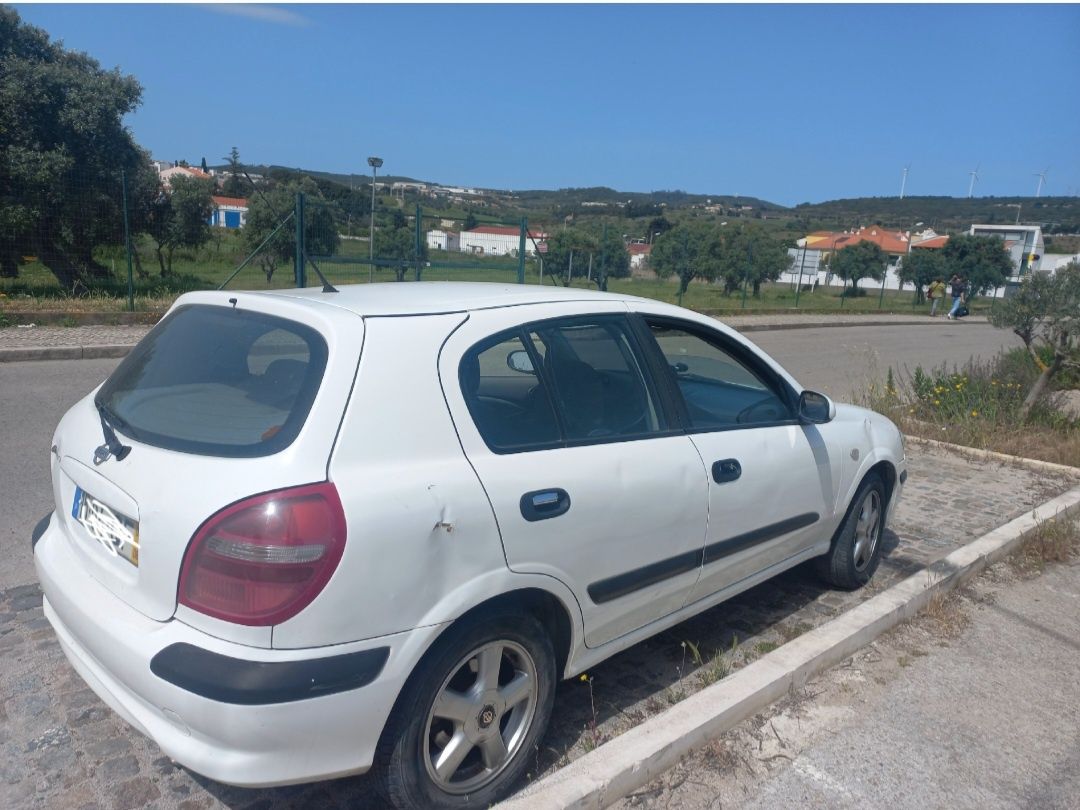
[856, 549]
[454, 739]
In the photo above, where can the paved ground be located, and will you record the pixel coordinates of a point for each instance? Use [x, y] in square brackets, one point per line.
[975, 706]
[60, 747]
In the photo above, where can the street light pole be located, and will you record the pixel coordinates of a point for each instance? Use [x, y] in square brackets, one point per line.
[374, 163]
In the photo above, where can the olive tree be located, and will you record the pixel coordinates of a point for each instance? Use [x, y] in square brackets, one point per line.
[982, 260]
[1045, 313]
[921, 267]
[861, 260]
[689, 250]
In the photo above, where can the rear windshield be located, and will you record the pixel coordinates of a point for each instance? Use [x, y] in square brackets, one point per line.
[217, 381]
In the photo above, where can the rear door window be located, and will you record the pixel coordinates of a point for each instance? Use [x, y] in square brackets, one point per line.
[217, 381]
[567, 381]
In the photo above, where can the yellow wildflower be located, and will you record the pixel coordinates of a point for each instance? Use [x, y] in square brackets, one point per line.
[974, 413]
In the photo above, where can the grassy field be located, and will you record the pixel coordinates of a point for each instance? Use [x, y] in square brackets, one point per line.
[207, 268]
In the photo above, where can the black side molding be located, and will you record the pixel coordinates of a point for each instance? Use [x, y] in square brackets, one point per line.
[605, 590]
[39, 530]
[621, 584]
[741, 542]
[252, 683]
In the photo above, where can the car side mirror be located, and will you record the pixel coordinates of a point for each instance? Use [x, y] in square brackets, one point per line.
[520, 361]
[815, 408]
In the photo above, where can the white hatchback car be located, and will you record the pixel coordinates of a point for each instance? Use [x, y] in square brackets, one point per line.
[299, 534]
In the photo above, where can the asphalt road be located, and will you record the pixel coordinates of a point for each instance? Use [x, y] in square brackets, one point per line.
[836, 361]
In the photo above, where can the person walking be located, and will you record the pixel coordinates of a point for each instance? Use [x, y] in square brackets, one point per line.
[959, 287]
[935, 292]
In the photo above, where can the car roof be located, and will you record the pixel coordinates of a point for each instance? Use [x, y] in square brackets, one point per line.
[431, 297]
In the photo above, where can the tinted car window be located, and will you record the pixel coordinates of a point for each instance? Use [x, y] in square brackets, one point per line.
[720, 390]
[505, 395]
[597, 381]
[217, 381]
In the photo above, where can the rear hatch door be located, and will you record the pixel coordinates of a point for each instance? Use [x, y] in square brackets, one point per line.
[219, 402]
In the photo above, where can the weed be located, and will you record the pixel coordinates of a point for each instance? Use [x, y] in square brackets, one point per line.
[592, 737]
[1052, 541]
[978, 405]
[791, 632]
[946, 611]
[765, 647]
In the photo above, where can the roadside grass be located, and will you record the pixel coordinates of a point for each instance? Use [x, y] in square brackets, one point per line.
[1053, 541]
[208, 267]
[978, 405]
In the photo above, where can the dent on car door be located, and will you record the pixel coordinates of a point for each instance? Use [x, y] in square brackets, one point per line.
[589, 482]
[770, 476]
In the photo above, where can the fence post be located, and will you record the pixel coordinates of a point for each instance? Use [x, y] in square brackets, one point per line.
[746, 280]
[127, 241]
[881, 295]
[299, 214]
[798, 288]
[521, 250]
[419, 240]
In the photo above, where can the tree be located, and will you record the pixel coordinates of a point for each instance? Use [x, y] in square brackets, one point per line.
[610, 260]
[657, 226]
[266, 211]
[982, 260]
[202, 165]
[234, 184]
[470, 221]
[180, 218]
[689, 250]
[861, 260]
[568, 251]
[920, 267]
[1045, 313]
[748, 254]
[63, 145]
[398, 244]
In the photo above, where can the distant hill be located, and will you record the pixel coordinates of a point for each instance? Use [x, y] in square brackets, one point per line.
[1057, 215]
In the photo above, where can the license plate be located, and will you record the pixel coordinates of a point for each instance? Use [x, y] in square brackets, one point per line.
[116, 533]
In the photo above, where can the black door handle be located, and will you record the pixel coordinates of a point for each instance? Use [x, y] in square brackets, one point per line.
[542, 504]
[727, 470]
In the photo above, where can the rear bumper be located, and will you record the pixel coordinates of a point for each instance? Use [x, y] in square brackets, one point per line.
[253, 721]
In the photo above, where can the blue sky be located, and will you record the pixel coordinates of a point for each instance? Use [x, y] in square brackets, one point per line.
[787, 103]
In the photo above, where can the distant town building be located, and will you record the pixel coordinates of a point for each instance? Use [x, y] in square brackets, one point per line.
[444, 240]
[639, 255]
[166, 175]
[229, 212]
[497, 240]
[809, 259]
[1024, 244]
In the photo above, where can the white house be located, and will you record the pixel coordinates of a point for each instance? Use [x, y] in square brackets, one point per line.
[166, 175]
[449, 241]
[1023, 242]
[497, 240]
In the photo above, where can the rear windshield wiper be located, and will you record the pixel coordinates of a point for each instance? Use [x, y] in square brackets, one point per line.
[112, 446]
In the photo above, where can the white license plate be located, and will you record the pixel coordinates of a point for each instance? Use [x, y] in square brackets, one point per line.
[117, 534]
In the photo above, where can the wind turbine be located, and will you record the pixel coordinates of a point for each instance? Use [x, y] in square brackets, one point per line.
[974, 180]
[903, 180]
[1042, 180]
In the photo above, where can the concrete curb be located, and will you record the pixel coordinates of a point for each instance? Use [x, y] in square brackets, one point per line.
[978, 454]
[633, 759]
[64, 352]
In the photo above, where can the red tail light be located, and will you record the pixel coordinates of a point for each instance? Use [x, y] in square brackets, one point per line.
[262, 560]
